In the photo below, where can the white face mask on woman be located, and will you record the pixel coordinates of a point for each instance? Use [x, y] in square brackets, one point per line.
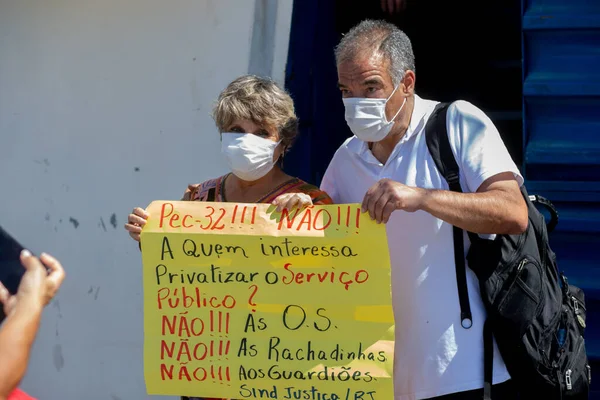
[366, 117]
[250, 157]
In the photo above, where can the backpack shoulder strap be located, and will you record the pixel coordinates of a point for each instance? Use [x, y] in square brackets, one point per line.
[438, 144]
[436, 134]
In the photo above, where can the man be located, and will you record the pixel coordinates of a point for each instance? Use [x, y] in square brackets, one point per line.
[386, 166]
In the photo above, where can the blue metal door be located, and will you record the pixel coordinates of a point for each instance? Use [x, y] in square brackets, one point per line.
[561, 141]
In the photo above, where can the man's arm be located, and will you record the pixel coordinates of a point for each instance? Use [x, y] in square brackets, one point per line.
[328, 182]
[497, 206]
[492, 201]
[16, 338]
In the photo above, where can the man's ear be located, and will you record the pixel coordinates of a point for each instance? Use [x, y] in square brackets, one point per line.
[409, 82]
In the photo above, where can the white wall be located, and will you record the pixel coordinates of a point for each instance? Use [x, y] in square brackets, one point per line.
[104, 105]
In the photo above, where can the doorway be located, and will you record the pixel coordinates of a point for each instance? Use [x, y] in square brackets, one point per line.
[469, 50]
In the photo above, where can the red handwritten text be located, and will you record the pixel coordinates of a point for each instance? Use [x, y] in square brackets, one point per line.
[183, 351]
[345, 278]
[181, 298]
[319, 219]
[200, 374]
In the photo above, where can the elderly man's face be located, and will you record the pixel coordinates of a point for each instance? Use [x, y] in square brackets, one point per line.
[367, 76]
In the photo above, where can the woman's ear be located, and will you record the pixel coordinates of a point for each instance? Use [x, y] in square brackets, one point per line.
[282, 154]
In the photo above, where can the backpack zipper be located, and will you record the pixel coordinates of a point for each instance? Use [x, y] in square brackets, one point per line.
[569, 371]
[521, 265]
[578, 316]
[512, 279]
[589, 373]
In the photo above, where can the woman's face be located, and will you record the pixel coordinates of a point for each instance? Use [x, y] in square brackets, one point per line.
[266, 132]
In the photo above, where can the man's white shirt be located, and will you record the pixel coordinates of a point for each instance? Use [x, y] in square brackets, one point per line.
[434, 355]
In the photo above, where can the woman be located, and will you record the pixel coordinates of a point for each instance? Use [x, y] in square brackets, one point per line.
[258, 126]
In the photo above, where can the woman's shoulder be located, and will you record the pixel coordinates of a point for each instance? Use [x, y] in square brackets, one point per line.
[318, 196]
[206, 191]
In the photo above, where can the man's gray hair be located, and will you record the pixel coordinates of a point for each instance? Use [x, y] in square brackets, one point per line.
[383, 38]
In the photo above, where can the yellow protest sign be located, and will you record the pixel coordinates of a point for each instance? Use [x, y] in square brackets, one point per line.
[241, 302]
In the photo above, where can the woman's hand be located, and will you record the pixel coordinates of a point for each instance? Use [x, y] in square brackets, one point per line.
[39, 284]
[135, 222]
[291, 200]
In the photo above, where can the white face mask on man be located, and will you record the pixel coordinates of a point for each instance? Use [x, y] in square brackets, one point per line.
[366, 117]
[250, 157]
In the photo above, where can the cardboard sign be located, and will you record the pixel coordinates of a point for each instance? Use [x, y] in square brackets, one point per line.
[241, 302]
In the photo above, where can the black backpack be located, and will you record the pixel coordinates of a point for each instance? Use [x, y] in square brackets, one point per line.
[536, 317]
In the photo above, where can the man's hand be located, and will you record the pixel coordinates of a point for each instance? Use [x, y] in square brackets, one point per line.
[387, 196]
[393, 6]
[38, 286]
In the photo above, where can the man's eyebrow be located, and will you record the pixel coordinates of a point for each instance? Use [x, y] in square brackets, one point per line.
[369, 82]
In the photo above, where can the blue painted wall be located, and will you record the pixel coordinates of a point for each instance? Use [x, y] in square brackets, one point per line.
[561, 141]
